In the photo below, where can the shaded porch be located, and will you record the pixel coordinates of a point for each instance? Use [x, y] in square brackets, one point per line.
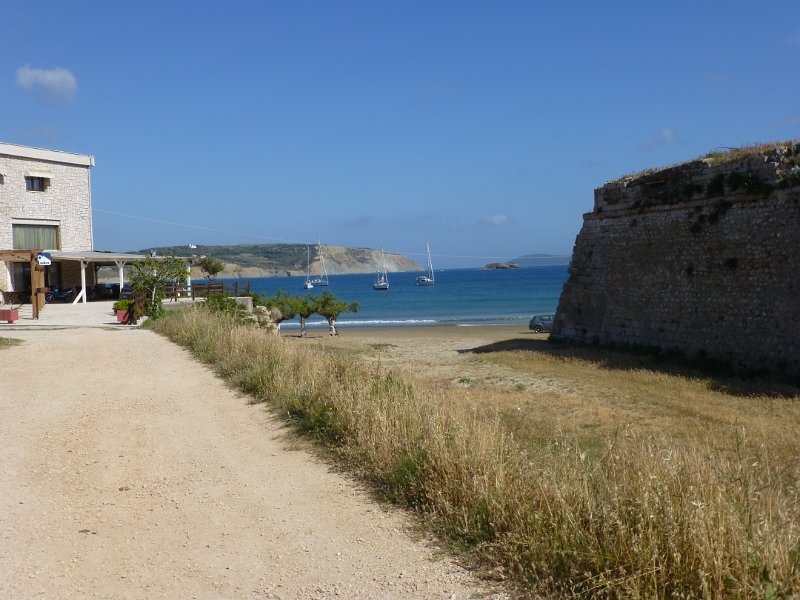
[67, 270]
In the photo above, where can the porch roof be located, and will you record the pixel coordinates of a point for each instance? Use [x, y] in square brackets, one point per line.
[96, 256]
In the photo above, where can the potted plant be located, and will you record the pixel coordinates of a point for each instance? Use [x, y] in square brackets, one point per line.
[122, 308]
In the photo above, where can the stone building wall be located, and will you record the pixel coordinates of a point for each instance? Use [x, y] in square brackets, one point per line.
[66, 203]
[701, 258]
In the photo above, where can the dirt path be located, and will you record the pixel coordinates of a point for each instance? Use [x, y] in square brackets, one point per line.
[127, 470]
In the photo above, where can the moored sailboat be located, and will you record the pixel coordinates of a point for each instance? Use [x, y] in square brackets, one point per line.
[428, 278]
[322, 280]
[382, 283]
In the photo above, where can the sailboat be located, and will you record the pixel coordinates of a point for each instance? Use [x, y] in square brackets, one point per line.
[322, 280]
[309, 285]
[382, 283]
[428, 278]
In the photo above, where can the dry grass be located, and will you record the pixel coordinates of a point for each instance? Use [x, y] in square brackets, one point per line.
[745, 152]
[591, 393]
[8, 342]
[646, 510]
[716, 157]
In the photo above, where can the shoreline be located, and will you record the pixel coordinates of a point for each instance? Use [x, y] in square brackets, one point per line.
[439, 346]
[388, 324]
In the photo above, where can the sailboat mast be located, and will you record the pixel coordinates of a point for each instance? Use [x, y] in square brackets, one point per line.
[322, 260]
[430, 263]
[308, 285]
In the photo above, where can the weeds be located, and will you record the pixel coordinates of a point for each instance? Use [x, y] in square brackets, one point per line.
[8, 342]
[642, 517]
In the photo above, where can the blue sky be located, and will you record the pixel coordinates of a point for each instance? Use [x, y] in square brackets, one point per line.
[482, 127]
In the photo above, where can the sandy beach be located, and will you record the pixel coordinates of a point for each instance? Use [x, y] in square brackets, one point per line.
[131, 471]
[441, 353]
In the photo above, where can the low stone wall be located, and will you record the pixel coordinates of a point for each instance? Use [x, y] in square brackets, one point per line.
[699, 258]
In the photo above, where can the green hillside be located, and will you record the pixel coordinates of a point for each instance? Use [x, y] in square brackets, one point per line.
[278, 259]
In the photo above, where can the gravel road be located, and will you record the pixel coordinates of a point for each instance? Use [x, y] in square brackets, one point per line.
[128, 470]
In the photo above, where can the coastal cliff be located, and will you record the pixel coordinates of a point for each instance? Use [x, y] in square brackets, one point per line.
[267, 260]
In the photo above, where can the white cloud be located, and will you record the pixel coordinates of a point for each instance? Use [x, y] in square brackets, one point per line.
[57, 85]
[495, 220]
[662, 138]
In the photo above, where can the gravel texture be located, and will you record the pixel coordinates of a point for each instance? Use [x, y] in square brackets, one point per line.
[129, 470]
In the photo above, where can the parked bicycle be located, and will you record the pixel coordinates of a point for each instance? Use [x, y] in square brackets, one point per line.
[59, 295]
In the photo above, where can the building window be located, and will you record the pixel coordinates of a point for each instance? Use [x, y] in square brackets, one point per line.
[35, 237]
[37, 184]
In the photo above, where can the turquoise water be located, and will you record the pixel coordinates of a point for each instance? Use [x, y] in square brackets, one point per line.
[461, 297]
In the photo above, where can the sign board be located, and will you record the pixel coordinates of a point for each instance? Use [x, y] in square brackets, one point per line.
[43, 259]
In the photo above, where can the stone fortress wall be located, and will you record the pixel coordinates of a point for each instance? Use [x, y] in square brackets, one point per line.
[702, 258]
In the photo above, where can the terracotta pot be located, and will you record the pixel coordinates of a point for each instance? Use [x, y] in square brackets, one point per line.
[9, 314]
[122, 316]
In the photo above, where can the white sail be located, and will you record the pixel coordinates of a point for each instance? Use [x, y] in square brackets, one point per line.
[428, 278]
[322, 280]
[382, 283]
[308, 284]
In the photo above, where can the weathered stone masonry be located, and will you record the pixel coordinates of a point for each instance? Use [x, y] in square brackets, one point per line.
[701, 258]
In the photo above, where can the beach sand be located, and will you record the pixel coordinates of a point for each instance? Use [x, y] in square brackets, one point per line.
[437, 353]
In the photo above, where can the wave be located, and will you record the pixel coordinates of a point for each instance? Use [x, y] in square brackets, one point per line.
[411, 322]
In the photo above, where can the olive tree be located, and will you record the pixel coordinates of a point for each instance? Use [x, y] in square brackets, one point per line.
[211, 267]
[150, 276]
[283, 306]
[330, 307]
[305, 308]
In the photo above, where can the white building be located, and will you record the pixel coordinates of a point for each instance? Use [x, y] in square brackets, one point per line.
[45, 204]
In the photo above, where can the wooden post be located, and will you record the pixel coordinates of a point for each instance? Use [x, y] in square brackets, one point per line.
[37, 287]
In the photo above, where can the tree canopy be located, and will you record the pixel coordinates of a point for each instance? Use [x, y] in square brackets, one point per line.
[211, 267]
[290, 306]
[150, 276]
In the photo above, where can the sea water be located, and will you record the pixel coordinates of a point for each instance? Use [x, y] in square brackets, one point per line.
[461, 297]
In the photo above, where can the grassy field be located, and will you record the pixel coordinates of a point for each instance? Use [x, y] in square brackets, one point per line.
[573, 472]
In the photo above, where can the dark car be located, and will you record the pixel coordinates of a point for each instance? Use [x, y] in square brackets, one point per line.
[540, 323]
[126, 293]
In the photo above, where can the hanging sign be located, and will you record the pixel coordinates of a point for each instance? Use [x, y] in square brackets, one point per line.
[43, 259]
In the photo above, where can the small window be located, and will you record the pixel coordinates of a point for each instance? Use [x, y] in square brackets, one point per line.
[37, 184]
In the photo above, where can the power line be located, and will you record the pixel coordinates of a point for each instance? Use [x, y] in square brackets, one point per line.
[202, 227]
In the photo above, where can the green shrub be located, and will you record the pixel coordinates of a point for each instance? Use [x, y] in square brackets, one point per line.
[122, 305]
[227, 306]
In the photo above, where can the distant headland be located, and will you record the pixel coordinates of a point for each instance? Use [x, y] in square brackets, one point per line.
[502, 265]
[268, 260]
